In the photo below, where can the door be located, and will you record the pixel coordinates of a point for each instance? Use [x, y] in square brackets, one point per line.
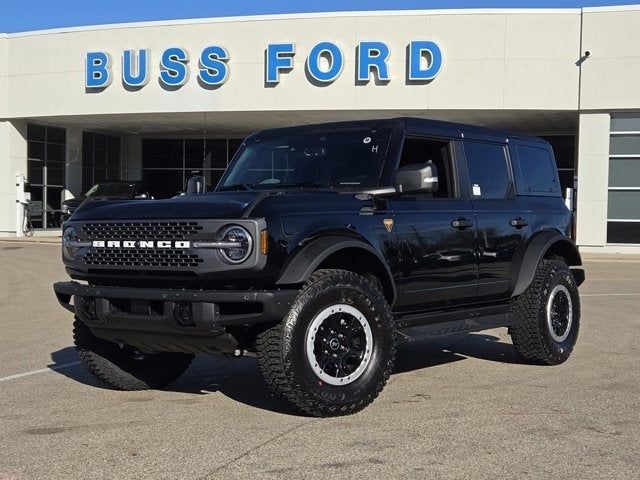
[502, 219]
[46, 152]
[434, 234]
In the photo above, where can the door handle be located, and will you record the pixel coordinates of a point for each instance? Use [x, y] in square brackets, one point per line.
[518, 222]
[461, 223]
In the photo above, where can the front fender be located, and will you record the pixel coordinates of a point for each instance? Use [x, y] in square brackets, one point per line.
[307, 260]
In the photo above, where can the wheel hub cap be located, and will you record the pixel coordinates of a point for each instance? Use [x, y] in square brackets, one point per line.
[339, 344]
[559, 313]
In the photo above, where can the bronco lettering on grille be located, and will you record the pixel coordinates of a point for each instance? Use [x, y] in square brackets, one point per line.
[140, 244]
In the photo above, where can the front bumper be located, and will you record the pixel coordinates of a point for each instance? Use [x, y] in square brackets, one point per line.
[155, 320]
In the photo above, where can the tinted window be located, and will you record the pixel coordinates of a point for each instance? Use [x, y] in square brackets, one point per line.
[488, 171]
[537, 169]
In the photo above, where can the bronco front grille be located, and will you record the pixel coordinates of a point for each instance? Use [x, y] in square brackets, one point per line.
[140, 230]
[137, 257]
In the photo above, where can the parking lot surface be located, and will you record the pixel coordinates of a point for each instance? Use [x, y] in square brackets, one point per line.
[456, 407]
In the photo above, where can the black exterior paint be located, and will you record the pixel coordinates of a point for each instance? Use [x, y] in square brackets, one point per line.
[429, 261]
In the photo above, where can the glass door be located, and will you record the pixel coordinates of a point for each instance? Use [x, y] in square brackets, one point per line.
[46, 174]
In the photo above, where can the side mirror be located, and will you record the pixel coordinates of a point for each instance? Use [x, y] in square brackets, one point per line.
[196, 184]
[418, 178]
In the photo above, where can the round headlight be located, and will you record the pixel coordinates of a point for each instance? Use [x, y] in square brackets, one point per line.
[69, 243]
[241, 240]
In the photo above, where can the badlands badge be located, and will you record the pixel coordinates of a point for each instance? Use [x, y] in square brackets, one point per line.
[388, 224]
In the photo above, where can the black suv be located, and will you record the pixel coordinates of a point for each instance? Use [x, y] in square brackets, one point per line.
[318, 246]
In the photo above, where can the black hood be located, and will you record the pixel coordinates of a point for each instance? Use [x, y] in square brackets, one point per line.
[208, 205]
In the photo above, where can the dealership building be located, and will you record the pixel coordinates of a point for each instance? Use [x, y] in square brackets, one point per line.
[156, 101]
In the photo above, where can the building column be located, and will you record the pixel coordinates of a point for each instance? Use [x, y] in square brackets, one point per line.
[593, 180]
[13, 160]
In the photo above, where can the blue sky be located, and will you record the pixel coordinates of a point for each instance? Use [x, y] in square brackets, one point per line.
[23, 15]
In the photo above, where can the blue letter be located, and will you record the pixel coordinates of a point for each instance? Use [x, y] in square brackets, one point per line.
[416, 51]
[135, 69]
[336, 62]
[373, 55]
[213, 69]
[173, 67]
[97, 70]
[279, 57]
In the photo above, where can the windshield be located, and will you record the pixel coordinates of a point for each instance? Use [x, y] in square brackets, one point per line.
[126, 190]
[348, 158]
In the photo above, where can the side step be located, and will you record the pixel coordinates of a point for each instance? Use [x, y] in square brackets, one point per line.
[450, 322]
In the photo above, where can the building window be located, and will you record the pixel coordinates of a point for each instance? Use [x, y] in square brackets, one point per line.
[46, 157]
[100, 159]
[623, 208]
[167, 163]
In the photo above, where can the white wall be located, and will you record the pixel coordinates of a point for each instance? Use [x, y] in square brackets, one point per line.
[13, 159]
[492, 60]
[609, 83]
[3, 75]
[610, 76]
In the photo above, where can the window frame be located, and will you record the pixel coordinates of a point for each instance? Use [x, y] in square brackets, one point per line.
[510, 194]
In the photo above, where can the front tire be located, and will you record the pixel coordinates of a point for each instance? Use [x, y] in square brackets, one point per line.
[124, 368]
[334, 351]
[547, 315]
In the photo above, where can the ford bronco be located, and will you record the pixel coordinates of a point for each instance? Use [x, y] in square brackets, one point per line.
[318, 246]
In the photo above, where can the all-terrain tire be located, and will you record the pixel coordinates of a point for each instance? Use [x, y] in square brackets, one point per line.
[117, 367]
[531, 331]
[286, 364]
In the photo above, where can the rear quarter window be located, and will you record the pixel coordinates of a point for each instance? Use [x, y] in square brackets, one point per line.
[537, 170]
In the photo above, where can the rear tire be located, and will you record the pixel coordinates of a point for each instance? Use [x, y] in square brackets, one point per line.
[334, 351]
[547, 315]
[122, 367]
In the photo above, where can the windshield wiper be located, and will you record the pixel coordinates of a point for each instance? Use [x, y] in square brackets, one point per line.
[236, 186]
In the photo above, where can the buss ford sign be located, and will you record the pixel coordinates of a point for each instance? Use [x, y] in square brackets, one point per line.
[324, 64]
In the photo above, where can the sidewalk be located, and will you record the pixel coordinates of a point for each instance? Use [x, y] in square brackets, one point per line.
[34, 239]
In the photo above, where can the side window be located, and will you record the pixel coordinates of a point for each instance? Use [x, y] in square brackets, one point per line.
[488, 170]
[538, 170]
[423, 150]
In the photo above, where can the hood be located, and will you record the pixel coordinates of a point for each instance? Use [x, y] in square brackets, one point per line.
[208, 205]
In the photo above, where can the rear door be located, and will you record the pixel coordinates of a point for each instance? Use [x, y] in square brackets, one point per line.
[503, 221]
[435, 233]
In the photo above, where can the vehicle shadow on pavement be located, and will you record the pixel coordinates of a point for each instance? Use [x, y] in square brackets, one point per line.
[430, 352]
[240, 380]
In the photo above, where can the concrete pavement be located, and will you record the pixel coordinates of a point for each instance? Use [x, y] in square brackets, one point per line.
[456, 407]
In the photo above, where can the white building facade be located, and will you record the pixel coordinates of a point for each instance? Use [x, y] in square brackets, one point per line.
[156, 101]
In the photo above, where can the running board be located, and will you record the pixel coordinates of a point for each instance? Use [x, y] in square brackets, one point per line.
[448, 323]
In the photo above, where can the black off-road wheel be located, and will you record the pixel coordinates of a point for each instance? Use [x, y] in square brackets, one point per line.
[547, 315]
[334, 351]
[123, 367]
